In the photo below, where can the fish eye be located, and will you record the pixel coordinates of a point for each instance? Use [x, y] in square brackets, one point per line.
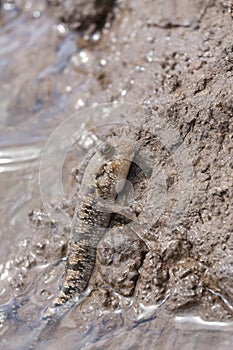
[105, 149]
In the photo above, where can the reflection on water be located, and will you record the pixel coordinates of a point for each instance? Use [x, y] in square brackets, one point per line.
[16, 158]
[28, 113]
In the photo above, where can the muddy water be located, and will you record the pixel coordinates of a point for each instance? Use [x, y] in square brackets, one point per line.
[183, 296]
[33, 102]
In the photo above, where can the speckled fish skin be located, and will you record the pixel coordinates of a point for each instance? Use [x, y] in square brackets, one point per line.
[228, 4]
[103, 179]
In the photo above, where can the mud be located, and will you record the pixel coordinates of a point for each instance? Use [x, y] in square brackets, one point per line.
[83, 15]
[177, 61]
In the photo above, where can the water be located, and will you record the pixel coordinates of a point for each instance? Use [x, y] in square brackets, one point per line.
[32, 104]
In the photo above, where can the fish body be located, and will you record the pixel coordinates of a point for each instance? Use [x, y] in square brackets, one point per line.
[103, 179]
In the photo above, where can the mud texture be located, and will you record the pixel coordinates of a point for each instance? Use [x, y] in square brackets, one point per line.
[83, 15]
[120, 255]
[176, 60]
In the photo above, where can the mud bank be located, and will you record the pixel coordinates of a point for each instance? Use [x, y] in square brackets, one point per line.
[177, 62]
[82, 15]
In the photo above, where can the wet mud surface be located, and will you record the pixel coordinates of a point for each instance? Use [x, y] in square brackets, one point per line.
[83, 15]
[167, 282]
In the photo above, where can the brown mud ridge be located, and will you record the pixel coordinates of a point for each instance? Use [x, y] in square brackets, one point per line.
[83, 14]
[176, 61]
